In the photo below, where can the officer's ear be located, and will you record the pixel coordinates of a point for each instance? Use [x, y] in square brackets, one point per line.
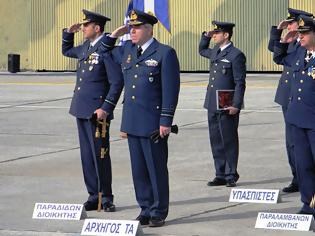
[97, 28]
[226, 35]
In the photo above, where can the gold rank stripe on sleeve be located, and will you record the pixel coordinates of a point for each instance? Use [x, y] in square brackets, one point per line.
[110, 102]
[67, 40]
[106, 45]
[312, 203]
[167, 115]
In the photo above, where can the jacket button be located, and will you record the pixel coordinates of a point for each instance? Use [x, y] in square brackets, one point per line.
[286, 81]
[80, 79]
[212, 78]
[157, 107]
[82, 71]
[288, 72]
[211, 86]
[215, 64]
[303, 72]
[136, 76]
[85, 62]
[79, 88]
[137, 65]
[301, 81]
[133, 97]
[215, 71]
[299, 98]
[300, 89]
[133, 86]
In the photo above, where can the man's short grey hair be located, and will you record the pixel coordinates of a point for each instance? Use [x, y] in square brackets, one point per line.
[149, 26]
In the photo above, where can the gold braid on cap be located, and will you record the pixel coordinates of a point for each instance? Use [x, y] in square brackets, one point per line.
[133, 15]
[312, 203]
[301, 22]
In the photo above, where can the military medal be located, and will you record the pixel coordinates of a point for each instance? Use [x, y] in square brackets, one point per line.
[151, 79]
[128, 58]
[313, 73]
[90, 68]
[224, 71]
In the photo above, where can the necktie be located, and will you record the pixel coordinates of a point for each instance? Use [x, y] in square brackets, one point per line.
[139, 51]
[219, 50]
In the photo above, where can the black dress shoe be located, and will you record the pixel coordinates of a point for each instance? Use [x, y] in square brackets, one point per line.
[143, 220]
[90, 206]
[292, 188]
[216, 182]
[156, 222]
[109, 207]
[230, 183]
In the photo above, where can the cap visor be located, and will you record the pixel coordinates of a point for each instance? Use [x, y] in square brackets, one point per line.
[304, 30]
[289, 20]
[135, 23]
[85, 21]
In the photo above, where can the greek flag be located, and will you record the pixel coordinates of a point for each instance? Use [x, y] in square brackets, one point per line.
[158, 7]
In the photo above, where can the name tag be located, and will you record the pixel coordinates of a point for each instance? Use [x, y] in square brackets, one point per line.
[56, 211]
[254, 195]
[110, 227]
[280, 221]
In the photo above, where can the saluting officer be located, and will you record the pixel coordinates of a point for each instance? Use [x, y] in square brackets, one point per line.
[227, 72]
[301, 109]
[151, 79]
[284, 85]
[97, 90]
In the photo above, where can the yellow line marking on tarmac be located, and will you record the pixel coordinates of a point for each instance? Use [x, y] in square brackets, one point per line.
[205, 85]
[36, 83]
[72, 83]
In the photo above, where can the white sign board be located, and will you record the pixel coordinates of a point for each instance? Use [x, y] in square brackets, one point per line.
[254, 195]
[57, 211]
[283, 221]
[110, 227]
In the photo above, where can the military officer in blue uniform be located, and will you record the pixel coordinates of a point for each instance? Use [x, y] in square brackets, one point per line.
[301, 109]
[97, 91]
[151, 79]
[227, 72]
[284, 85]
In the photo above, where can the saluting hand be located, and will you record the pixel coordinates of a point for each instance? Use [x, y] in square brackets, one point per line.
[101, 114]
[289, 37]
[74, 28]
[164, 131]
[209, 34]
[283, 25]
[120, 31]
[232, 110]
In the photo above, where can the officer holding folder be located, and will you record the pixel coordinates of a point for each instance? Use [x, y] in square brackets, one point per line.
[226, 76]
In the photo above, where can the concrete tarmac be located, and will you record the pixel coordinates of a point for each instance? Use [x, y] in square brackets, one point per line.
[40, 162]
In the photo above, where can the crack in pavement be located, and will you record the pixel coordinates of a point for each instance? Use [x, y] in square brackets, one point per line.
[38, 102]
[204, 212]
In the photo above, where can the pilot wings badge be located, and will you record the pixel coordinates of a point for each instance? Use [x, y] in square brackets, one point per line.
[151, 62]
